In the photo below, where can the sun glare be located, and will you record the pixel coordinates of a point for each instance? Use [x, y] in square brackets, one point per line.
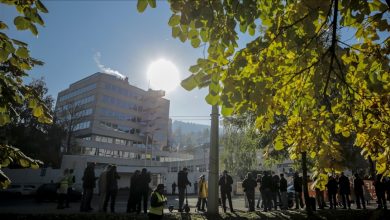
[163, 74]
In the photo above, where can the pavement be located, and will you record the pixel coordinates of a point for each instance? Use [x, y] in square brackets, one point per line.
[28, 205]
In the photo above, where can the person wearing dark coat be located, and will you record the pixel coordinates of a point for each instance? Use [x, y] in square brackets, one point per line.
[380, 191]
[134, 195]
[332, 191]
[298, 190]
[345, 190]
[283, 192]
[266, 194]
[225, 182]
[173, 188]
[112, 188]
[249, 184]
[143, 189]
[275, 190]
[258, 180]
[358, 185]
[182, 182]
[88, 185]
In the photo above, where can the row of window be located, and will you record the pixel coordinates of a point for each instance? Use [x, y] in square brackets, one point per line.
[119, 115]
[77, 103]
[93, 151]
[82, 125]
[122, 104]
[79, 114]
[190, 168]
[118, 141]
[77, 92]
[120, 128]
[122, 91]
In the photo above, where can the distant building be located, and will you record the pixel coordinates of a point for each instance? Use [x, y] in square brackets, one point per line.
[113, 122]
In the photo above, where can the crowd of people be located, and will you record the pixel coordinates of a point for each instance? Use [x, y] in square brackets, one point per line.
[272, 188]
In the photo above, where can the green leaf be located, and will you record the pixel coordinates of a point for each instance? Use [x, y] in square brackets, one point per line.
[22, 52]
[41, 7]
[189, 83]
[152, 3]
[3, 55]
[195, 42]
[141, 5]
[211, 99]
[252, 29]
[21, 23]
[226, 111]
[174, 20]
[33, 29]
[346, 133]
[278, 145]
[176, 32]
[3, 25]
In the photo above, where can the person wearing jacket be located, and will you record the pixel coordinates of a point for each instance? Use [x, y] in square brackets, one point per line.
[332, 191]
[182, 182]
[112, 188]
[63, 189]
[249, 184]
[89, 183]
[102, 183]
[345, 190]
[157, 202]
[298, 190]
[225, 182]
[143, 188]
[134, 195]
[202, 193]
[283, 192]
[358, 186]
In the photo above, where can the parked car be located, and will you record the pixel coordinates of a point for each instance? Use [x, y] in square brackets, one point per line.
[19, 190]
[48, 192]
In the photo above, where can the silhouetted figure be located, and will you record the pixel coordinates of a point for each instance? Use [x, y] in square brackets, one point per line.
[258, 180]
[266, 194]
[112, 188]
[88, 186]
[196, 187]
[298, 190]
[275, 190]
[203, 193]
[225, 182]
[174, 188]
[332, 191]
[157, 203]
[358, 185]
[345, 190]
[134, 195]
[249, 184]
[143, 187]
[182, 182]
[380, 192]
[102, 183]
[283, 192]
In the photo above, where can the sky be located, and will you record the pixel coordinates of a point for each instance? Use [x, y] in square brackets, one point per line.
[83, 37]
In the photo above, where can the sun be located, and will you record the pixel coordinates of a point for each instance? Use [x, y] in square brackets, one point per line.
[163, 74]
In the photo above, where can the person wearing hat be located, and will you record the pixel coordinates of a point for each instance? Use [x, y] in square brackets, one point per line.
[225, 182]
[157, 202]
[182, 182]
[202, 193]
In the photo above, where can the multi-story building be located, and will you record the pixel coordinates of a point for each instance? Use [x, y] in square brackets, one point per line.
[110, 121]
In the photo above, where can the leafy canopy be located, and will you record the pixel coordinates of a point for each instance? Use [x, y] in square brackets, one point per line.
[298, 66]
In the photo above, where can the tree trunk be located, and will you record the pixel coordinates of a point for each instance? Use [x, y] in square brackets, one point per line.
[304, 181]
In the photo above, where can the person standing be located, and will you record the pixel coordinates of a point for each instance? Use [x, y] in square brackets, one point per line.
[62, 189]
[174, 188]
[102, 183]
[298, 190]
[249, 185]
[71, 181]
[143, 187]
[112, 188]
[157, 202]
[275, 190]
[225, 182]
[182, 182]
[266, 194]
[380, 192]
[89, 183]
[134, 195]
[358, 189]
[196, 187]
[283, 192]
[258, 180]
[345, 190]
[203, 193]
[332, 191]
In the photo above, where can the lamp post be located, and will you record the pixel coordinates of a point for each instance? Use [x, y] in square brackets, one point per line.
[212, 204]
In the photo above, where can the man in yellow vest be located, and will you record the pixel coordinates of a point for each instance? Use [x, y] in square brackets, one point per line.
[157, 202]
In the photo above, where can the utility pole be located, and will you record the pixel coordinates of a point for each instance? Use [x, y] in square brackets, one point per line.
[212, 204]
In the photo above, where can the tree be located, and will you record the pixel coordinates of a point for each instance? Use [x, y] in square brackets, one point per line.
[297, 64]
[15, 61]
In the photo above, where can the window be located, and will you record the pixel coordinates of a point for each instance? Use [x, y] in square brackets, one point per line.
[82, 125]
[77, 92]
